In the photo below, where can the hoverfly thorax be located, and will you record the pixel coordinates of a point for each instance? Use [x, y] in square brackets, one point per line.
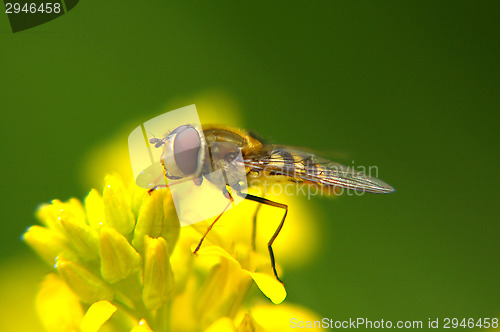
[227, 158]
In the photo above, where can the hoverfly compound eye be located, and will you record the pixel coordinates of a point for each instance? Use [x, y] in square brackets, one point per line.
[186, 150]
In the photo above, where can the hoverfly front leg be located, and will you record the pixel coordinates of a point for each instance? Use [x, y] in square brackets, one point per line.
[198, 181]
[226, 194]
[212, 225]
[156, 187]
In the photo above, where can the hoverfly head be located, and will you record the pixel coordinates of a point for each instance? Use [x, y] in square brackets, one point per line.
[183, 151]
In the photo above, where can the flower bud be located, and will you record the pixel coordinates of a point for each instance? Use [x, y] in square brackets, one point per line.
[117, 212]
[83, 238]
[94, 206]
[158, 276]
[86, 285]
[157, 218]
[48, 244]
[118, 258]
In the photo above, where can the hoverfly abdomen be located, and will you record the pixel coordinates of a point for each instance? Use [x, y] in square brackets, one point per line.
[279, 163]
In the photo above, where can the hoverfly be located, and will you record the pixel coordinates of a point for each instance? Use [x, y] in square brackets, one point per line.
[261, 162]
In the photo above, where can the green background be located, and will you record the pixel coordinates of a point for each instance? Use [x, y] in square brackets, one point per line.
[411, 87]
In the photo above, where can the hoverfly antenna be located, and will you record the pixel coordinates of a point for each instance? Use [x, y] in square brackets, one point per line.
[157, 142]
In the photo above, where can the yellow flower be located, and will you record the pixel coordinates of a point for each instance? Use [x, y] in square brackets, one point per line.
[123, 263]
[298, 241]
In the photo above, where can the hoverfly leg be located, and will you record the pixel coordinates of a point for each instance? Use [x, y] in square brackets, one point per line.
[210, 227]
[156, 187]
[198, 181]
[254, 227]
[271, 241]
[227, 195]
[157, 180]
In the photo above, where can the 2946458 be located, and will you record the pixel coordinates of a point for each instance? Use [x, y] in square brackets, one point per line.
[33, 8]
[454, 323]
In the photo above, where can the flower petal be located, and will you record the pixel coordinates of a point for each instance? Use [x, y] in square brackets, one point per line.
[271, 287]
[279, 317]
[96, 316]
[216, 251]
[142, 326]
[182, 317]
[57, 306]
[223, 324]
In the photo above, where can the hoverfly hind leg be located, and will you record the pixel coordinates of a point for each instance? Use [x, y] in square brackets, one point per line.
[276, 233]
[254, 227]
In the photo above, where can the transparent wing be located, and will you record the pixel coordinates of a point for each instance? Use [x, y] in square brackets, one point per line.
[306, 166]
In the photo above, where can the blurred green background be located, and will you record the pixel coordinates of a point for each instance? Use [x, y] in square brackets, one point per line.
[411, 87]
